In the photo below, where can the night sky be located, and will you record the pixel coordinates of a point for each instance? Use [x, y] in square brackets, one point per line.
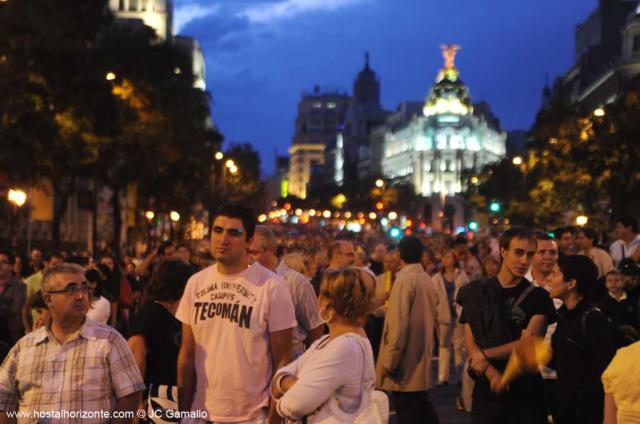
[262, 54]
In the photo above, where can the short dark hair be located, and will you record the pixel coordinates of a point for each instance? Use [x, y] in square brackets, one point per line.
[590, 233]
[460, 240]
[543, 235]
[580, 268]
[239, 211]
[37, 301]
[558, 232]
[627, 221]
[94, 276]
[10, 256]
[516, 233]
[168, 280]
[410, 248]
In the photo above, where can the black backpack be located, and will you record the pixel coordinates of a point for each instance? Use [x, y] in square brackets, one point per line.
[622, 335]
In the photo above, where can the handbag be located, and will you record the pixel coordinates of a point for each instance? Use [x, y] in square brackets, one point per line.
[374, 405]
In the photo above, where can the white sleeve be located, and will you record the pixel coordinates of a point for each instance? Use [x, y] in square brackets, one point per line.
[323, 374]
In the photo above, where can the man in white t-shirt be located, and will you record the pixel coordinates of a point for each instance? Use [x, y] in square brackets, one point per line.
[310, 326]
[542, 265]
[238, 321]
[628, 241]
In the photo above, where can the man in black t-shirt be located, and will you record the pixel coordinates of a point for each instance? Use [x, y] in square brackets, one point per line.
[498, 314]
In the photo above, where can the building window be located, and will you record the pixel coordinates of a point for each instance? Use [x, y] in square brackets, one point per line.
[636, 43]
[121, 5]
[144, 5]
[317, 105]
[331, 105]
[133, 5]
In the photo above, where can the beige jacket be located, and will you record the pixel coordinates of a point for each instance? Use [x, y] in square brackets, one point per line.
[407, 336]
[442, 301]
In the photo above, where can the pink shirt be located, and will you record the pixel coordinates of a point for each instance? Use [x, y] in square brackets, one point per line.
[231, 317]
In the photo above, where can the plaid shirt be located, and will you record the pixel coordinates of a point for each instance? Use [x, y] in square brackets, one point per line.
[89, 372]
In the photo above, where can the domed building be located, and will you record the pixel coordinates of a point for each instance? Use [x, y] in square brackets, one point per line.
[434, 149]
[156, 14]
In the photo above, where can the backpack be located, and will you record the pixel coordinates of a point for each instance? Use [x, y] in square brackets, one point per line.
[622, 335]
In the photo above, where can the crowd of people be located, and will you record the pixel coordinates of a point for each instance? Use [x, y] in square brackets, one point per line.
[276, 323]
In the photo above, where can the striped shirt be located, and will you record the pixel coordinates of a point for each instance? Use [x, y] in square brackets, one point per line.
[88, 373]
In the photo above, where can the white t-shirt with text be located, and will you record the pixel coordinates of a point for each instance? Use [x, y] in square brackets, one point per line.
[231, 317]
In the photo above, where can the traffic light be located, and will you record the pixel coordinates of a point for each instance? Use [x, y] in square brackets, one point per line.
[495, 207]
[473, 225]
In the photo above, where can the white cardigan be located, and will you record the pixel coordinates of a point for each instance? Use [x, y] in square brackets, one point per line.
[442, 301]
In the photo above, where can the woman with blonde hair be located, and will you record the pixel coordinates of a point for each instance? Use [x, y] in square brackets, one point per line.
[450, 334]
[336, 375]
[295, 261]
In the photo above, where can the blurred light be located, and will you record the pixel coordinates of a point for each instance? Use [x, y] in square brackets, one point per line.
[229, 163]
[395, 232]
[304, 219]
[494, 221]
[219, 155]
[423, 225]
[287, 206]
[372, 215]
[233, 169]
[408, 231]
[360, 215]
[474, 180]
[473, 226]
[361, 221]
[149, 215]
[393, 215]
[177, 71]
[336, 214]
[110, 76]
[354, 227]
[262, 218]
[408, 223]
[312, 212]
[494, 207]
[384, 221]
[17, 197]
[294, 219]
[599, 112]
[379, 205]
[582, 220]
[506, 221]
[326, 214]
[174, 216]
[379, 183]
[517, 161]
[274, 204]
[298, 212]
[460, 230]
[347, 215]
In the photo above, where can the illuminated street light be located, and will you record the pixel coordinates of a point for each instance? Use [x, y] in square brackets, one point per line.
[326, 214]
[262, 218]
[110, 76]
[149, 215]
[233, 169]
[517, 161]
[393, 215]
[582, 220]
[372, 215]
[17, 197]
[379, 183]
[219, 155]
[174, 216]
[229, 163]
[599, 112]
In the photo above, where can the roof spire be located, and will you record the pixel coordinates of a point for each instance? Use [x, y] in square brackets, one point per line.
[366, 60]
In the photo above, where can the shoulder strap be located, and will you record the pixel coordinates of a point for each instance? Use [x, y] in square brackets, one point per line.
[522, 296]
[583, 321]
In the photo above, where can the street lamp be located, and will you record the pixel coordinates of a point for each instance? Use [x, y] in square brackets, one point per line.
[229, 164]
[174, 216]
[517, 161]
[379, 183]
[110, 76]
[582, 220]
[17, 197]
[219, 155]
[149, 215]
[599, 112]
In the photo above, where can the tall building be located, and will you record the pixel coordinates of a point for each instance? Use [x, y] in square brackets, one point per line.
[156, 14]
[607, 53]
[434, 149]
[362, 116]
[320, 115]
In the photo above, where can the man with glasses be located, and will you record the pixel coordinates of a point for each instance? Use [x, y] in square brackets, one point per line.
[238, 321]
[13, 295]
[72, 365]
[310, 326]
[341, 254]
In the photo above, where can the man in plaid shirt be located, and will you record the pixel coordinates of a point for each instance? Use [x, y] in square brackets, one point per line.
[72, 369]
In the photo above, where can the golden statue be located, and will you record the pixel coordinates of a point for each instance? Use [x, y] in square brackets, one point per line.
[449, 52]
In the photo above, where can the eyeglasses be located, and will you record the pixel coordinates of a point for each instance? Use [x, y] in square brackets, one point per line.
[349, 254]
[233, 232]
[72, 288]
